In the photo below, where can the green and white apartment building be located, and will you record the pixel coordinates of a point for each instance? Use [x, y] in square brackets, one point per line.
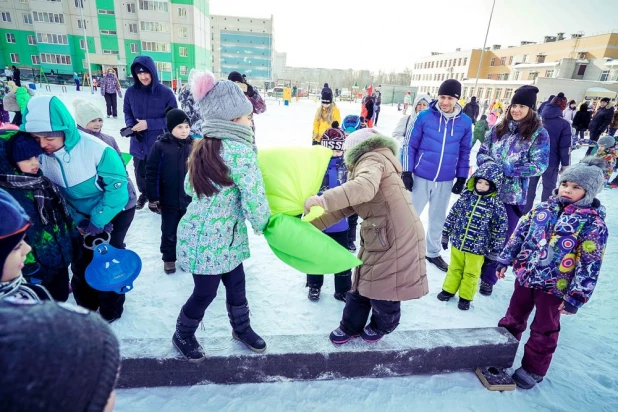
[52, 35]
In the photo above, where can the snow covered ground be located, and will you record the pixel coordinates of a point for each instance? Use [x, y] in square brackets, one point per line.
[583, 375]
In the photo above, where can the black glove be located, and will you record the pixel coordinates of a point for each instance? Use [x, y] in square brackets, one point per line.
[459, 185]
[444, 242]
[408, 181]
[155, 207]
[250, 91]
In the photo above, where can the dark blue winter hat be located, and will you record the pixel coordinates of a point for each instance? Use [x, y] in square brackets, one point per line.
[25, 147]
[13, 225]
[526, 96]
[140, 68]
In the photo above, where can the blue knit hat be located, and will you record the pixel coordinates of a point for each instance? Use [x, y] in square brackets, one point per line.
[25, 147]
[13, 225]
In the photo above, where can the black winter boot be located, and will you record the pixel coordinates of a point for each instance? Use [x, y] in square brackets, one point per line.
[184, 338]
[445, 296]
[464, 304]
[241, 326]
[486, 289]
[141, 202]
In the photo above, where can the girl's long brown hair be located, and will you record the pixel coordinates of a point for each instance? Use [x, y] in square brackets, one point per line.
[527, 126]
[207, 169]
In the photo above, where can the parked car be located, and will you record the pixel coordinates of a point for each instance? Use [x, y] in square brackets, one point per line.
[346, 94]
[302, 93]
[276, 92]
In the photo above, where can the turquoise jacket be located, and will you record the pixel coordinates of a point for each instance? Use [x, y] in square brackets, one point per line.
[89, 173]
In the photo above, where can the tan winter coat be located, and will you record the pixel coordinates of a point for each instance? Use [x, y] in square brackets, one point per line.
[392, 236]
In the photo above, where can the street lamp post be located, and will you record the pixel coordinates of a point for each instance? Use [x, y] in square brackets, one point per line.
[478, 70]
[81, 13]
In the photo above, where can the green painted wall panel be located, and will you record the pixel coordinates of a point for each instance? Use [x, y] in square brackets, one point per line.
[109, 43]
[107, 22]
[105, 4]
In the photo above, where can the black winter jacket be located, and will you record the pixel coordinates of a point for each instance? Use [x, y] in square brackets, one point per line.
[602, 118]
[166, 170]
[581, 121]
[472, 110]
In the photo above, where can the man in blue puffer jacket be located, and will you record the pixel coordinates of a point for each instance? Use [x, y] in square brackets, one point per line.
[144, 111]
[439, 151]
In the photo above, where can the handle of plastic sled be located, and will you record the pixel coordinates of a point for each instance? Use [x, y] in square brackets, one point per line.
[124, 289]
[97, 241]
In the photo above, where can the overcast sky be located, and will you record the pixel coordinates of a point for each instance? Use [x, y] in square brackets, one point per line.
[389, 34]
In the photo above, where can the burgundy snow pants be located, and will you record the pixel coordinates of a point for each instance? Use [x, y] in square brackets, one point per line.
[544, 329]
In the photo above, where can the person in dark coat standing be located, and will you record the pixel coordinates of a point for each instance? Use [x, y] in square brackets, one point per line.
[601, 119]
[545, 103]
[144, 111]
[377, 104]
[559, 131]
[472, 109]
[165, 177]
[259, 106]
[17, 76]
[581, 121]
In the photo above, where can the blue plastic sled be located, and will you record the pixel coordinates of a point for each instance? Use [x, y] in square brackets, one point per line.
[111, 269]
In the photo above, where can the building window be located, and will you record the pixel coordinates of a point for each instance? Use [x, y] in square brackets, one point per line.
[24, 2]
[183, 70]
[182, 51]
[31, 40]
[134, 48]
[510, 60]
[81, 24]
[604, 76]
[6, 17]
[549, 73]
[489, 77]
[540, 58]
[182, 12]
[151, 5]
[79, 3]
[105, 51]
[582, 69]
[35, 59]
[533, 75]
[133, 28]
[108, 32]
[492, 61]
[155, 46]
[498, 93]
[27, 18]
[488, 92]
[164, 66]
[508, 93]
[182, 32]
[10, 38]
[154, 26]
[465, 62]
[524, 58]
[131, 7]
[48, 17]
[50, 38]
[82, 44]
[55, 58]
[516, 76]
[14, 58]
[102, 11]
[502, 61]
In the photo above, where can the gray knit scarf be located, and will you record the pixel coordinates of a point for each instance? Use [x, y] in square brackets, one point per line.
[228, 130]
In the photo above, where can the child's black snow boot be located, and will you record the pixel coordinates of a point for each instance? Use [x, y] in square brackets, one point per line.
[184, 338]
[464, 304]
[444, 296]
[486, 289]
[314, 294]
[241, 326]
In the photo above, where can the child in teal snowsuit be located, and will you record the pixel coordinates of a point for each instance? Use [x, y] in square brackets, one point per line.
[476, 227]
[227, 189]
[480, 128]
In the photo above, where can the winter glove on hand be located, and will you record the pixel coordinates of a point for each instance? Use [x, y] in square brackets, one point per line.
[154, 207]
[459, 185]
[444, 242]
[87, 228]
[250, 91]
[408, 181]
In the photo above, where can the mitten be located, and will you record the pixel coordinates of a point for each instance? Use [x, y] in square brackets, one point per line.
[155, 207]
[408, 181]
[87, 228]
[459, 185]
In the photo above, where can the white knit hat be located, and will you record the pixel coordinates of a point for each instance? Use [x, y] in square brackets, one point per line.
[85, 112]
[357, 137]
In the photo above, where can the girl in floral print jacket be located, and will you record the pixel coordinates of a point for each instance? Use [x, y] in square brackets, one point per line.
[227, 189]
[556, 253]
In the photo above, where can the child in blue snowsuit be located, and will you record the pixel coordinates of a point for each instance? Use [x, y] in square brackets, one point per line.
[336, 175]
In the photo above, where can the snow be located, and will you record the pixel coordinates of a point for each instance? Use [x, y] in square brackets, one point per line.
[582, 377]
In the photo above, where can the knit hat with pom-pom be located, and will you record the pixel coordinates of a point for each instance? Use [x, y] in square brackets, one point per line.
[560, 101]
[219, 100]
[589, 174]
